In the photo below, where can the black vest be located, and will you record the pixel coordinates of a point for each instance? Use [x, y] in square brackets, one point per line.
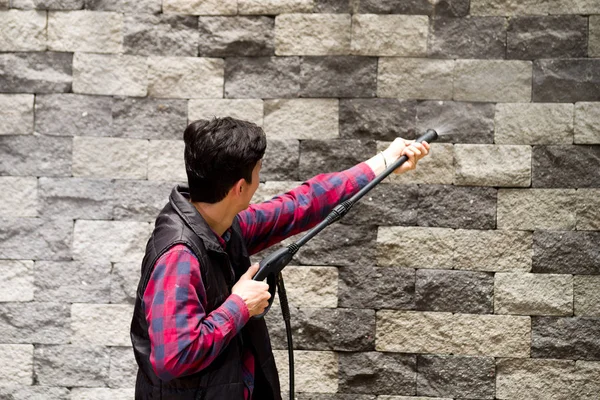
[180, 223]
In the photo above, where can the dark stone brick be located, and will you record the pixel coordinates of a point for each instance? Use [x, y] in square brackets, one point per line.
[566, 252]
[125, 6]
[262, 77]
[48, 4]
[148, 118]
[454, 291]
[4, 4]
[457, 122]
[378, 373]
[39, 323]
[477, 37]
[76, 198]
[29, 155]
[566, 81]
[319, 156]
[330, 396]
[566, 166]
[140, 200]
[339, 76]
[453, 8]
[36, 239]
[236, 36]
[572, 338]
[556, 36]
[457, 207]
[457, 377]
[281, 160]
[333, 6]
[377, 288]
[70, 365]
[72, 281]
[379, 119]
[41, 72]
[386, 204]
[163, 34]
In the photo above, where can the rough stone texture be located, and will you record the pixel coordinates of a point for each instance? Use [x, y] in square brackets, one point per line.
[493, 251]
[457, 207]
[71, 366]
[18, 197]
[76, 198]
[531, 209]
[120, 75]
[587, 374]
[274, 7]
[319, 156]
[587, 129]
[553, 168]
[457, 8]
[458, 377]
[492, 81]
[262, 77]
[594, 36]
[165, 161]
[315, 371]
[200, 7]
[4, 4]
[16, 114]
[572, 338]
[123, 368]
[236, 36]
[163, 34]
[341, 76]
[492, 165]
[85, 31]
[248, 110]
[566, 81]
[35, 239]
[533, 294]
[23, 30]
[415, 78]
[47, 4]
[39, 323]
[101, 324]
[124, 282]
[34, 393]
[566, 252]
[16, 280]
[311, 286]
[328, 396]
[377, 288]
[534, 124]
[35, 156]
[110, 158]
[185, 77]
[102, 394]
[588, 209]
[396, 247]
[125, 6]
[73, 115]
[281, 160]
[302, 119]
[17, 364]
[378, 373]
[454, 291]
[140, 200]
[312, 34]
[147, 118]
[533, 7]
[380, 119]
[72, 281]
[389, 35]
[586, 290]
[332, 6]
[39, 72]
[534, 37]
[477, 37]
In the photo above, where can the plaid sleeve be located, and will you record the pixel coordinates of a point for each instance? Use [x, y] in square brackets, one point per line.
[267, 223]
[184, 340]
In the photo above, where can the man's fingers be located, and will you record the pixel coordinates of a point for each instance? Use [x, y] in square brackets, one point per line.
[252, 270]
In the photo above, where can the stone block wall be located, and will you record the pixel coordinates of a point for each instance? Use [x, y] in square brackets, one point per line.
[474, 277]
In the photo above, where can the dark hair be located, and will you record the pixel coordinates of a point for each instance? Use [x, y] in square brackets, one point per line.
[218, 153]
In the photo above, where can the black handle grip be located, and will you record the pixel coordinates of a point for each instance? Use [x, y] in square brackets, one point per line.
[269, 269]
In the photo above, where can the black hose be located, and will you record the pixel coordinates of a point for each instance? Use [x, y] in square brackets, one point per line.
[285, 311]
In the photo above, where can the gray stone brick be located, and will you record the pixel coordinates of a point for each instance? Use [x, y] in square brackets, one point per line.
[415, 78]
[34, 393]
[73, 115]
[140, 200]
[110, 158]
[395, 247]
[477, 37]
[533, 7]
[40, 72]
[332, 6]
[492, 81]
[587, 373]
[566, 252]
[377, 288]
[84, 31]
[4, 4]
[23, 31]
[274, 7]
[341, 76]
[312, 34]
[454, 291]
[123, 368]
[378, 373]
[125, 6]
[565, 166]
[262, 77]
[456, 8]
[319, 156]
[124, 282]
[119, 75]
[162, 34]
[165, 161]
[16, 114]
[101, 324]
[200, 7]
[572, 338]
[236, 36]
[72, 281]
[586, 291]
[281, 160]
[185, 77]
[588, 209]
[380, 119]
[457, 207]
[148, 118]
[251, 110]
[47, 4]
[566, 81]
[102, 394]
[71, 366]
[18, 197]
[339, 396]
[587, 129]
[16, 280]
[35, 156]
[302, 119]
[317, 371]
[594, 36]
[492, 165]
[389, 35]
[17, 364]
[76, 198]
[38, 323]
[35, 238]
[534, 37]
[454, 376]
[312, 286]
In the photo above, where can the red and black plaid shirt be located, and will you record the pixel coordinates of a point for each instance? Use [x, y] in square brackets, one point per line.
[184, 339]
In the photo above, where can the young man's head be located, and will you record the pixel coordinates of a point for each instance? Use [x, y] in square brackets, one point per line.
[221, 155]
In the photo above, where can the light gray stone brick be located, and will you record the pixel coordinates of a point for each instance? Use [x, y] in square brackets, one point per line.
[533, 7]
[140, 200]
[389, 35]
[165, 161]
[34, 393]
[268, 190]
[586, 290]
[76, 198]
[124, 282]
[85, 31]
[72, 281]
[35, 238]
[23, 30]
[594, 36]
[186, 77]
[315, 371]
[395, 247]
[17, 364]
[16, 114]
[274, 7]
[110, 240]
[493, 81]
[588, 209]
[149, 118]
[302, 119]
[492, 165]
[415, 78]
[248, 109]
[436, 168]
[534, 123]
[587, 123]
[28, 155]
[16, 280]
[411, 398]
[200, 7]
[120, 75]
[47, 4]
[236, 36]
[101, 324]
[163, 34]
[311, 286]
[531, 209]
[39, 72]
[125, 6]
[18, 197]
[312, 34]
[123, 368]
[102, 394]
[32, 322]
[110, 158]
[588, 379]
[71, 366]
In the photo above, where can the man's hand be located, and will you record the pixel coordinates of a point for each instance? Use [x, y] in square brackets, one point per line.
[254, 293]
[414, 151]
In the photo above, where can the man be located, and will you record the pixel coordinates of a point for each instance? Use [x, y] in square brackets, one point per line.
[191, 331]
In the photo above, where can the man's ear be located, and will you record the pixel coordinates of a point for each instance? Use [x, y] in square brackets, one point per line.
[238, 187]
